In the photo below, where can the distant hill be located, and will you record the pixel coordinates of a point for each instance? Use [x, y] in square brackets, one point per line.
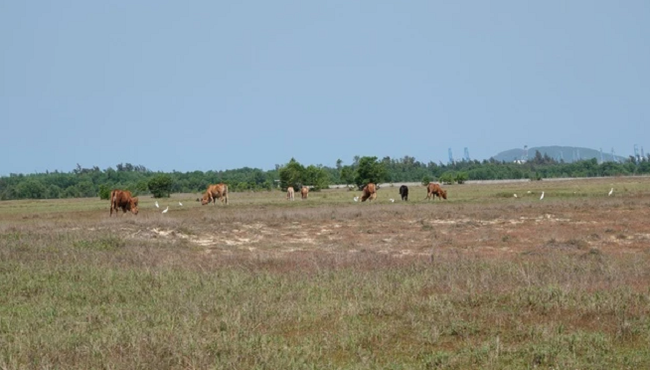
[567, 153]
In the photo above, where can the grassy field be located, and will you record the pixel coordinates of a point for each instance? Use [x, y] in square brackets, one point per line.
[482, 280]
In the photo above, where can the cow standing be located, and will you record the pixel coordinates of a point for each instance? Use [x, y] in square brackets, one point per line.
[124, 200]
[404, 192]
[369, 192]
[434, 190]
[304, 191]
[214, 192]
[290, 193]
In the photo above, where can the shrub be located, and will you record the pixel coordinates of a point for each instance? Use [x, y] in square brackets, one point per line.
[160, 186]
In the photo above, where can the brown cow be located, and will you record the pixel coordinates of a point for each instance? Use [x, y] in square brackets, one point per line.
[304, 191]
[123, 199]
[290, 193]
[434, 190]
[214, 192]
[369, 192]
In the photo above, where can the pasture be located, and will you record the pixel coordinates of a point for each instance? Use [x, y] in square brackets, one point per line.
[481, 280]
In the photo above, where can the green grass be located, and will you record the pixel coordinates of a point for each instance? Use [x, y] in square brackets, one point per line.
[89, 311]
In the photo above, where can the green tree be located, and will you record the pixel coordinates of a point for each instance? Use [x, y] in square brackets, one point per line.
[160, 185]
[291, 174]
[347, 175]
[31, 189]
[370, 170]
[447, 178]
[316, 176]
[104, 191]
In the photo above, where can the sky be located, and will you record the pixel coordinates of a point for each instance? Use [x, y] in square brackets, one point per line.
[216, 85]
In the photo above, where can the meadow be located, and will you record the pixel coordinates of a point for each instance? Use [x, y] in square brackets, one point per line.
[482, 280]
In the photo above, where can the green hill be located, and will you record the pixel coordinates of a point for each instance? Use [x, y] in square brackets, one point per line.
[566, 153]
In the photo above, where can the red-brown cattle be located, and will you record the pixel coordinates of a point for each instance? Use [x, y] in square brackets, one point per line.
[123, 199]
[434, 190]
[369, 192]
[214, 192]
[304, 192]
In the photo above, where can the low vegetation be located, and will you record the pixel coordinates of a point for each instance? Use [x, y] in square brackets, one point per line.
[482, 280]
[92, 182]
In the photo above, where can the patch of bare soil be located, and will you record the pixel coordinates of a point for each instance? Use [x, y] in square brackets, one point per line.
[423, 231]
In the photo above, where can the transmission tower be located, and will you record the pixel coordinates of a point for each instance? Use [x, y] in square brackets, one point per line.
[636, 153]
[451, 157]
[613, 156]
[466, 154]
[601, 156]
[525, 158]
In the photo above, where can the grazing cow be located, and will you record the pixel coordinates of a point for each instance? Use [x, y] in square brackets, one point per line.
[214, 192]
[369, 192]
[404, 192]
[290, 193]
[434, 190]
[123, 199]
[304, 191]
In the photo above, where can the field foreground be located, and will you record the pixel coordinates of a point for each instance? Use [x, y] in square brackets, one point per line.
[482, 280]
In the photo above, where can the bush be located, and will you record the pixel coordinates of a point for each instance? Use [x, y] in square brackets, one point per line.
[104, 192]
[447, 178]
[160, 186]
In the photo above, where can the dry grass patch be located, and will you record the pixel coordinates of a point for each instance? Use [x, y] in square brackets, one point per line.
[479, 281]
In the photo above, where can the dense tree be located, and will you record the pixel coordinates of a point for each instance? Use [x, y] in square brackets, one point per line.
[160, 186]
[296, 175]
[291, 174]
[91, 182]
[370, 170]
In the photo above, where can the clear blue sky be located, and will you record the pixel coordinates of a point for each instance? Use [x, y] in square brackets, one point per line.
[213, 85]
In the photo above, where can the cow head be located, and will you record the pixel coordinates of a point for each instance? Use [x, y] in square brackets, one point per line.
[206, 199]
[133, 205]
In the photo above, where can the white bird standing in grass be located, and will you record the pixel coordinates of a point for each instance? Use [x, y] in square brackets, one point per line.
[356, 199]
[166, 209]
[514, 195]
[542, 197]
[157, 206]
[180, 204]
[392, 200]
[610, 192]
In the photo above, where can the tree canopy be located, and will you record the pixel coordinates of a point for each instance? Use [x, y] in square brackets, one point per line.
[90, 182]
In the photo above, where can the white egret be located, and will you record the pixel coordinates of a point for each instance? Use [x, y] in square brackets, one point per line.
[392, 200]
[542, 197]
[180, 204]
[166, 209]
[610, 192]
[514, 195]
[356, 199]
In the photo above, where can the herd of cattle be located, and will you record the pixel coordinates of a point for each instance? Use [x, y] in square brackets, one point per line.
[124, 200]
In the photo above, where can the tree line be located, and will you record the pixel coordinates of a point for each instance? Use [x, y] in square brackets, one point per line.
[91, 182]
